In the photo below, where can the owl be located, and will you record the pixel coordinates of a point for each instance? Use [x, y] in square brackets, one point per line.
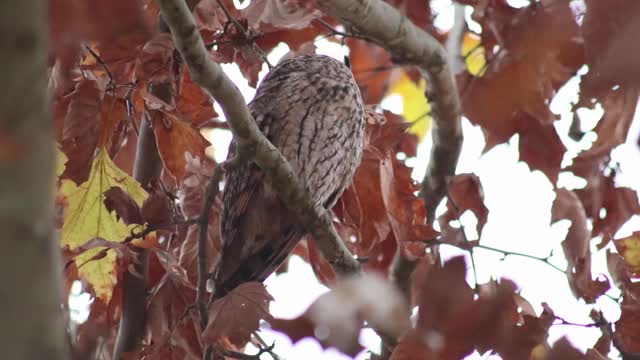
[310, 108]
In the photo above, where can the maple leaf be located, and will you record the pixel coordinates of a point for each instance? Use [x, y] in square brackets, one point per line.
[336, 318]
[473, 54]
[576, 247]
[548, 37]
[629, 248]
[281, 13]
[118, 201]
[237, 314]
[86, 218]
[464, 193]
[371, 67]
[175, 137]
[608, 30]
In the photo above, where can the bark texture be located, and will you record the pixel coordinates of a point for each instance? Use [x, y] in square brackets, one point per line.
[310, 108]
[32, 325]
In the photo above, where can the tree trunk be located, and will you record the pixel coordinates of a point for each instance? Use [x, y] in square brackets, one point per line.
[32, 324]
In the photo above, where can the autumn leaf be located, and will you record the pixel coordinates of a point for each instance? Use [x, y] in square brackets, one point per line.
[576, 247]
[473, 54]
[415, 107]
[176, 138]
[87, 218]
[237, 314]
[629, 248]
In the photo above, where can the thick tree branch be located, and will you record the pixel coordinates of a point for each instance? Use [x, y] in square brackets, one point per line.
[146, 169]
[409, 44]
[251, 143]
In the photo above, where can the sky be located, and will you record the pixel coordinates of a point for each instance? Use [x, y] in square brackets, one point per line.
[519, 203]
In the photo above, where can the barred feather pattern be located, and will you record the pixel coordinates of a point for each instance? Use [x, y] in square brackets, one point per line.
[310, 108]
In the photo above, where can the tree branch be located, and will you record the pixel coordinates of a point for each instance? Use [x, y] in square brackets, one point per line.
[251, 143]
[409, 44]
[147, 168]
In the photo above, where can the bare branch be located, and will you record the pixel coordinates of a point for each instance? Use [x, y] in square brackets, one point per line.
[251, 143]
[409, 44]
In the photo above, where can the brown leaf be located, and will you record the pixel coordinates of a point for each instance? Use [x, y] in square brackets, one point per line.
[156, 61]
[81, 129]
[576, 247]
[237, 314]
[541, 148]
[281, 13]
[172, 328]
[175, 139]
[156, 209]
[371, 66]
[627, 328]
[465, 193]
[568, 206]
[563, 350]
[118, 201]
[545, 34]
[612, 129]
[608, 29]
[195, 105]
[112, 114]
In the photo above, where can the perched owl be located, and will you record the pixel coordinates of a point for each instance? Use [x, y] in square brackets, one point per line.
[310, 108]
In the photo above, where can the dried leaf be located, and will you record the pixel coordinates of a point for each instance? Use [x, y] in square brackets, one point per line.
[629, 248]
[81, 128]
[118, 201]
[175, 139]
[237, 314]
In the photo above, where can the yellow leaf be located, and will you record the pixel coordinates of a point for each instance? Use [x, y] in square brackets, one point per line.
[415, 107]
[629, 248]
[473, 53]
[86, 218]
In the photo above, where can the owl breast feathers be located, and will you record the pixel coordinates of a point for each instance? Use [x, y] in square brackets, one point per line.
[310, 108]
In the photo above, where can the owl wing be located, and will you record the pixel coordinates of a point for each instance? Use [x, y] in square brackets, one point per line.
[257, 230]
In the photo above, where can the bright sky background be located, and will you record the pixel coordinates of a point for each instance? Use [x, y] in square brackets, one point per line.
[519, 203]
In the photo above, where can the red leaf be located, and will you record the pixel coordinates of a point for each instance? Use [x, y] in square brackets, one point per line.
[81, 129]
[117, 200]
[155, 63]
[237, 314]
[371, 66]
[156, 209]
[195, 105]
[608, 30]
[281, 13]
[175, 139]
[545, 34]
[576, 247]
[541, 148]
[465, 193]
[627, 328]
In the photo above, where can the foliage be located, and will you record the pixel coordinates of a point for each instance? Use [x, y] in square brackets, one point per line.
[108, 58]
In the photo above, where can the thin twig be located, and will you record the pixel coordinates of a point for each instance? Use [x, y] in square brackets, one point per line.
[245, 32]
[102, 63]
[212, 190]
[336, 32]
[243, 356]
